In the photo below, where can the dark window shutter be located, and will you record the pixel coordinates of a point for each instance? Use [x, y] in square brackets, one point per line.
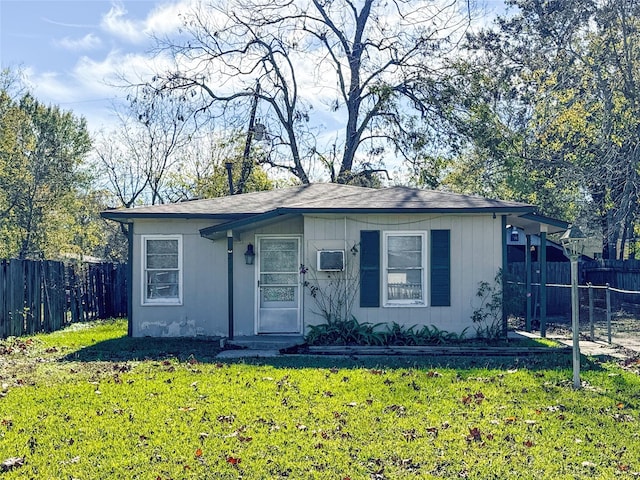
[369, 268]
[440, 268]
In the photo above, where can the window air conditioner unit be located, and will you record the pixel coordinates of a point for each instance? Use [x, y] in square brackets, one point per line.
[330, 260]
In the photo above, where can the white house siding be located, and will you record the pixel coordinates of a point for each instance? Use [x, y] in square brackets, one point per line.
[476, 255]
[203, 311]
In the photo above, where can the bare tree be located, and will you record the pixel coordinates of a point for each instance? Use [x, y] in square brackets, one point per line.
[138, 156]
[370, 71]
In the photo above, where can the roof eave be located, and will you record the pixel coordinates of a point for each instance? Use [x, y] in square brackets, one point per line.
[124, 216]
[396, 210]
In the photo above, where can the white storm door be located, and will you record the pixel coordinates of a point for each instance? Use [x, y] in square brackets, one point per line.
[278, 285]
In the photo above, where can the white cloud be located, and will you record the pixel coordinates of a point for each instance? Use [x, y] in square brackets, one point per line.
[166, 18]
[115, 22]
[88, 42]
[163, 19]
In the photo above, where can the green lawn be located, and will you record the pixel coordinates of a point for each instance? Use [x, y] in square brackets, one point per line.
[89, 403]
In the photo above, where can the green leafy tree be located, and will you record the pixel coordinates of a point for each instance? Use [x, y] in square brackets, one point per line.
[42, 150]
[556, 120]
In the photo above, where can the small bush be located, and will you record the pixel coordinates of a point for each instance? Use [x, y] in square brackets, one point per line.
[351, 332]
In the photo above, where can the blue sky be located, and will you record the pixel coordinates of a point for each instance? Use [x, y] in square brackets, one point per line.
[73, 50]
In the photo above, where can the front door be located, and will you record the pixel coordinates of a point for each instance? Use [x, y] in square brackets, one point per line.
[278, 285]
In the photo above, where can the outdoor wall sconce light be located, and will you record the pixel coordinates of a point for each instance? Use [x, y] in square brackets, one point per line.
[249, 255]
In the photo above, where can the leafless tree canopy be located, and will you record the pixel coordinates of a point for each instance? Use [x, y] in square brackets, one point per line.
[337, 82]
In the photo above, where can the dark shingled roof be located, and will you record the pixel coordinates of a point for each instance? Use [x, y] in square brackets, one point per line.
[325, 198]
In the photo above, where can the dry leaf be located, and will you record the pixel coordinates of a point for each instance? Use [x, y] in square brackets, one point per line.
[11, 463]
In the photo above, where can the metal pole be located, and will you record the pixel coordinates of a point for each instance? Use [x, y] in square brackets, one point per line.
[543, 284]
[505, 271]
[608, 314]
[592, 335]
[575, 321]
[229, 167]
[230, 282]
[130, 252]
[527, 262]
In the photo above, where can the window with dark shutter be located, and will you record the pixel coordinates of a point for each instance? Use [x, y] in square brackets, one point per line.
[369, 268]
[440, 268]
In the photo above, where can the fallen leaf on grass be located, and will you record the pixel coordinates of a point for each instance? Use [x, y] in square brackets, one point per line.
[410, 435]
[398, 409]
[233, 460]
[476, 398]
[474, 435]
[11, 463]
[198, 453]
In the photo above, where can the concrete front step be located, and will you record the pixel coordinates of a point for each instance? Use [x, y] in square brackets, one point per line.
[265, 342]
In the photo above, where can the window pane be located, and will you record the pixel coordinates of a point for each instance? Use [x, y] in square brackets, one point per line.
[279, 261]
[279, 278]
[404, 259]
[162, 261]
[278, 294]
[404, 243]
[404, 284]
[162, 246]
[162, 253]
[162, 284]
[404, 251]
[404, 267]
[279, 245]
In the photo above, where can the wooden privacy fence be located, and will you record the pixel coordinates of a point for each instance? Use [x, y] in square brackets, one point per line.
[623, 276]
[44, 295]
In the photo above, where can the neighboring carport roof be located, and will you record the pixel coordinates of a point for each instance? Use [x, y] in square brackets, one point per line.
[531, 222]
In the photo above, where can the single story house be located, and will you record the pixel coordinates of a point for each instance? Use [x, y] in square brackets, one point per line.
[272, 262]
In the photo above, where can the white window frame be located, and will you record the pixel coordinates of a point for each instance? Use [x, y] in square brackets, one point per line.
[160, 301]
[386, 302]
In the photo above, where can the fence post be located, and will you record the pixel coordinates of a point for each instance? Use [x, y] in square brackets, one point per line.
[608, 314]
[591, 329]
